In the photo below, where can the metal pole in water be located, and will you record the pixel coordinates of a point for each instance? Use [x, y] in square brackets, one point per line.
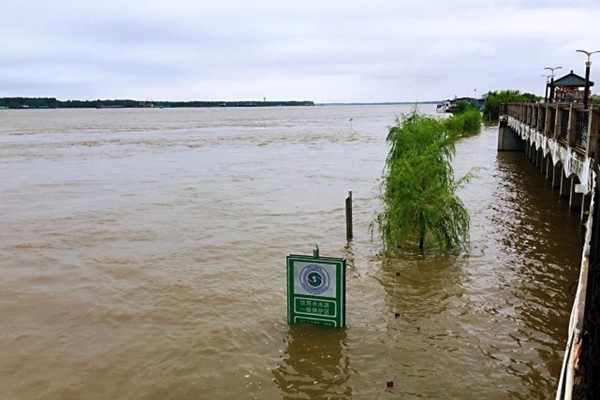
[316, 251]
[349, 233]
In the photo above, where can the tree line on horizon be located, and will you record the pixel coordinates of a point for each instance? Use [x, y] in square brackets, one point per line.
[52, 102]
[493, 100]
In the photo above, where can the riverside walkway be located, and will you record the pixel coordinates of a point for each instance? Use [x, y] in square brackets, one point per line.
[561, 140]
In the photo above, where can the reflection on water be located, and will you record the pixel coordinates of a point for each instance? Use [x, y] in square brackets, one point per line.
[314, 365]
[142, 255]
[420, 286]
[542, 241]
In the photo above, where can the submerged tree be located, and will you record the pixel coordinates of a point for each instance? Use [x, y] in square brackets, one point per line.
[419, 188]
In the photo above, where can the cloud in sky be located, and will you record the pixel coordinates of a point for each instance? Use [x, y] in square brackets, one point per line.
[326, 51]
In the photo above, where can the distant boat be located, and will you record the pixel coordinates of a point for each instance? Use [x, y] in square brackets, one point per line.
[450, 106]
[445, 106]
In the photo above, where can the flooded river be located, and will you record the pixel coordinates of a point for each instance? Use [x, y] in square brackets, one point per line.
[142, 256]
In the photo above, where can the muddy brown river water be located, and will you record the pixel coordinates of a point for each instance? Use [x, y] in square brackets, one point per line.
[142, 256]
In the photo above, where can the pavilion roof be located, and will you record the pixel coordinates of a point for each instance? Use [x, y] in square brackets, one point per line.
[571, 80]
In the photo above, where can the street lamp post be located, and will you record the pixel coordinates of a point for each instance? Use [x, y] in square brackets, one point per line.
[547, 86]
[588, 65]
[552, 82]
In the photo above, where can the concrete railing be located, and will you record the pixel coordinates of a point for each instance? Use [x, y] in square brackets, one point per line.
[568, 123]
[573, 350]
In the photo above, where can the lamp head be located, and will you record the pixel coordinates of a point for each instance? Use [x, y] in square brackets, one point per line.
[588, 53]
[552, 70]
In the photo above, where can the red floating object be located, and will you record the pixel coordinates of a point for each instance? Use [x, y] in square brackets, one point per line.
[397, 315]
[389, 384]
[397, 273]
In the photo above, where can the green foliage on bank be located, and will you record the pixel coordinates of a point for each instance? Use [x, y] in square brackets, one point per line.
[419, 188]
[491, 110]
[463, 106]
[465, 123]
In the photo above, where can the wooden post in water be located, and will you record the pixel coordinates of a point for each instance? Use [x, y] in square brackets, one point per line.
[349, 234]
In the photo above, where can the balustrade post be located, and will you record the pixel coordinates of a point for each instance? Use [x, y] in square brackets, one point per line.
[558, 123]
[547, 116]
[593, 130]
[571, 127]
[542, 118]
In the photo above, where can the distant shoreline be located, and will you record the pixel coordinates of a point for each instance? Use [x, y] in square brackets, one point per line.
[36, 103]
[385, 103]
[26, 103]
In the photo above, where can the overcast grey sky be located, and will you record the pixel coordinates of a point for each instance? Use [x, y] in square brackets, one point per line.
[320, 50]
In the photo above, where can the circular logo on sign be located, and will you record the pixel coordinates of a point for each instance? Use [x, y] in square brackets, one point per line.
[314, 279]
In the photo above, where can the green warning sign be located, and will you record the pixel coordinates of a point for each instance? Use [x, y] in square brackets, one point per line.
[316, 290]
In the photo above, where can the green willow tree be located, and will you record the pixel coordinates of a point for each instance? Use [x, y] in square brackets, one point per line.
[418, 189]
